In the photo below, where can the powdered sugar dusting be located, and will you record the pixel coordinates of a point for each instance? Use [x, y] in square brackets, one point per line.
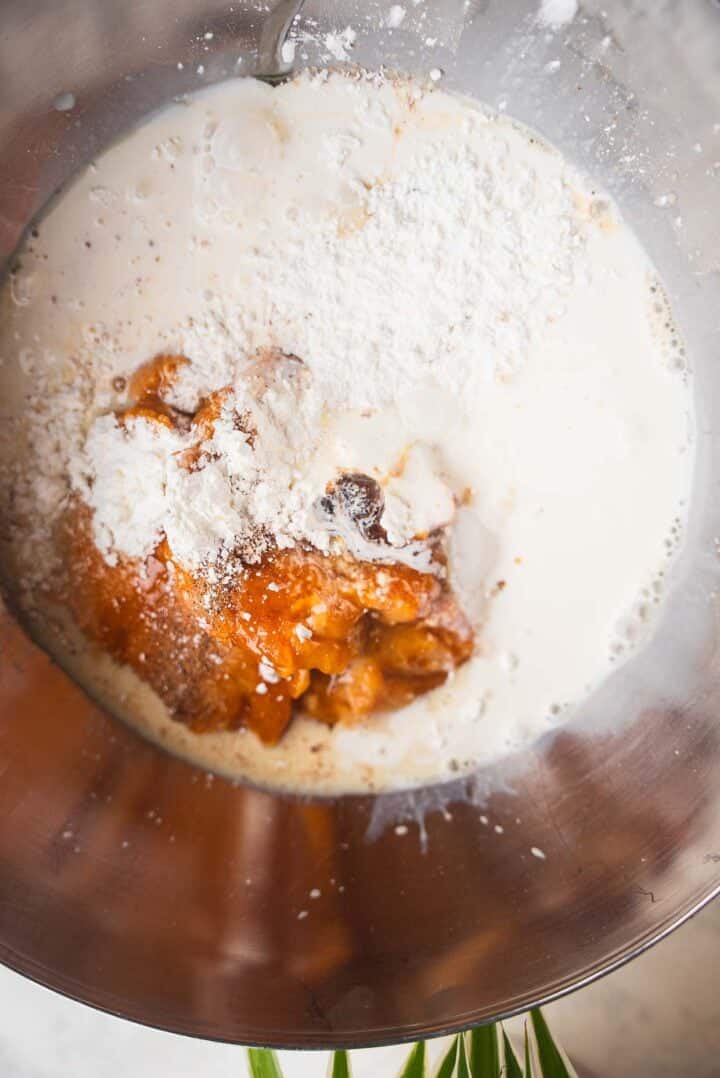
[340, 43]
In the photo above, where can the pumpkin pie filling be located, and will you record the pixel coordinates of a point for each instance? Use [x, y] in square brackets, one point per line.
[251, 644]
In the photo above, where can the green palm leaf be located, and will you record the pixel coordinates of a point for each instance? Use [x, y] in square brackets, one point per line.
[263, 1063]
[463, 1070]
[552, 1064]
[484, 1052]
[512, 1067]
[446, 1067]
[415, 1065]
[340, 1065]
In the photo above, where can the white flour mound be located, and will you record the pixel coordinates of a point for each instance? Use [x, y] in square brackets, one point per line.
[252, 487]
[447, 274]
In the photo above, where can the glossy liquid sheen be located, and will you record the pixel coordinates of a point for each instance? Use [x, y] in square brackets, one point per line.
[576, 462]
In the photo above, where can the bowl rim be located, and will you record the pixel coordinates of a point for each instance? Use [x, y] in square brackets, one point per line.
[622, 957]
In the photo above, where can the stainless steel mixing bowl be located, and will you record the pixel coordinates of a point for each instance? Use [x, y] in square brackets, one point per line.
[135, 883]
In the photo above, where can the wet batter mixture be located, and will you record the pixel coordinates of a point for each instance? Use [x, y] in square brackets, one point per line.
[347, 435]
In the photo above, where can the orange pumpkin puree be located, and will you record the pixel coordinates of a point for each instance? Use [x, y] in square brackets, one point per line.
[324, 634]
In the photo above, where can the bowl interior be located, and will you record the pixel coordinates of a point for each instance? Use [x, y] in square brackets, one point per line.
[136, 883]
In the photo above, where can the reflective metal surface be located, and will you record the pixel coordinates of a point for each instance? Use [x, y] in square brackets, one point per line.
[138, 884]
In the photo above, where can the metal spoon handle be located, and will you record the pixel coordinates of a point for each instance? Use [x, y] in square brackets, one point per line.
[274, 32]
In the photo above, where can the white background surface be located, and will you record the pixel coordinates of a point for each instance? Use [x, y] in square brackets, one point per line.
[659, 1017]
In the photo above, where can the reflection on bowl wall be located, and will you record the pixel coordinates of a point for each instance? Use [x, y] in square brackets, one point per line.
[141, 885]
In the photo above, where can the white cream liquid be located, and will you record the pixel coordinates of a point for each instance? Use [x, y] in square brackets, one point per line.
[571, 428]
